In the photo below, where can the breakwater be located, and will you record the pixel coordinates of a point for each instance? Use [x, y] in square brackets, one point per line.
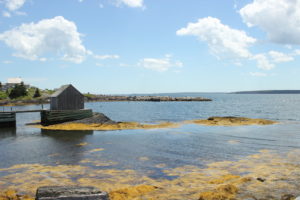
[144, 98]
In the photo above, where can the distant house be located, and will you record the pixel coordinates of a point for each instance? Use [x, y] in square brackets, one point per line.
[67, 98]
[14, 81]
[11, 82]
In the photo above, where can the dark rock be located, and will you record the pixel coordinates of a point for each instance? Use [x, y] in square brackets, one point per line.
[70, 193]
[97, 118]
[288, 197]
[261, 179]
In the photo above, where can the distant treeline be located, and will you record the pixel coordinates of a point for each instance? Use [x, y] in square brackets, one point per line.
[269, 92]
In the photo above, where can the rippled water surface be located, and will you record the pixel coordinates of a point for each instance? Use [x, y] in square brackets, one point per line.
[145, 150]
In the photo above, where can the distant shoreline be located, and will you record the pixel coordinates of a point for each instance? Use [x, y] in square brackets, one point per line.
[105, 98]
[268, 92]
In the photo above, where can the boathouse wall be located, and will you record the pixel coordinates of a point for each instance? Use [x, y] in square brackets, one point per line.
[67, 98]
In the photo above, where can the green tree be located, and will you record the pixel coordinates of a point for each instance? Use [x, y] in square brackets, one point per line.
[0, 85]
[19, 90]
[37, 93]
[3, 95]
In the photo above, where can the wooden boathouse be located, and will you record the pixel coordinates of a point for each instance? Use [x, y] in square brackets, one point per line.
[66, 104]
[67, 98]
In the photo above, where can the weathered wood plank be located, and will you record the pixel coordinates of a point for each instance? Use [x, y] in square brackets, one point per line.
[49, 117]
[67, 98]
[7, 119]
[21, 111]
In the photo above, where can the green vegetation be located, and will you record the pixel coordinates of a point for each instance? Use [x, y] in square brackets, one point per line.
[37, 93]
[3, 95]
[89, 96]
[48, 91]
[20, 93]
[19, 90]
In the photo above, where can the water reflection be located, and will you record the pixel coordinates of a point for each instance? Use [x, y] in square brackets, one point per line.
[62, 135]
[66, 145]
[8, 132]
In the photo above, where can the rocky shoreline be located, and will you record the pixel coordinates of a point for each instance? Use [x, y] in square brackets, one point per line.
[105, 98]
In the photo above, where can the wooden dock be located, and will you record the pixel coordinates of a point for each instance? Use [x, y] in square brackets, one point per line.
[7, 119]
[48, 117]
[21, 111]
[66, 104]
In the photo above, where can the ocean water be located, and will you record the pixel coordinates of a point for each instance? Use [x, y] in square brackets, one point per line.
[144, 150]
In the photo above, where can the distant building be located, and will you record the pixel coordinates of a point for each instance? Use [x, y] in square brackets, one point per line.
[11, 82]
[14, 81]
[67, 98]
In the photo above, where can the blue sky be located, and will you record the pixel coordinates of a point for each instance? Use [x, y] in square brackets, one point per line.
[151, 46]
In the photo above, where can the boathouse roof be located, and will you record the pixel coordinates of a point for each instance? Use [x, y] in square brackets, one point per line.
[62, 89]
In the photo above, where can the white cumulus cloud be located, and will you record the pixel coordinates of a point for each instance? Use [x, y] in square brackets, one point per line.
[104, 57]
[279, 57]
[221, 39]
[263, 62]
[49, 36]
[14, 5]
[296, 52]
[131, 3]
[280, 19]
[226, 42]
[159, 64]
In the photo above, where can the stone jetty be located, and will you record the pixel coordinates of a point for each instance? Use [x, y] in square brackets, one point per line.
[144, 98]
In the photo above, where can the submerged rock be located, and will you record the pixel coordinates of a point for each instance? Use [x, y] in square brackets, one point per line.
[261, 179]
[223, 192]
[232, 121]
[13, 195]
[134, 192]
[287, 197]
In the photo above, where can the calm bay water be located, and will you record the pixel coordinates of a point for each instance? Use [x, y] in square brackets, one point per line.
[187, 145]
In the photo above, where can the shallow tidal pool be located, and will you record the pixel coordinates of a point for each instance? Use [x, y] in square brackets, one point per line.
[186, 162]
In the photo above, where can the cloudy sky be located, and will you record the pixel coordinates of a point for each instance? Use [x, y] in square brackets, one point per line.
[148, 46]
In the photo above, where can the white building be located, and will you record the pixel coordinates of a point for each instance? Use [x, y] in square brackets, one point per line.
[11, 82]
[14, 80]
